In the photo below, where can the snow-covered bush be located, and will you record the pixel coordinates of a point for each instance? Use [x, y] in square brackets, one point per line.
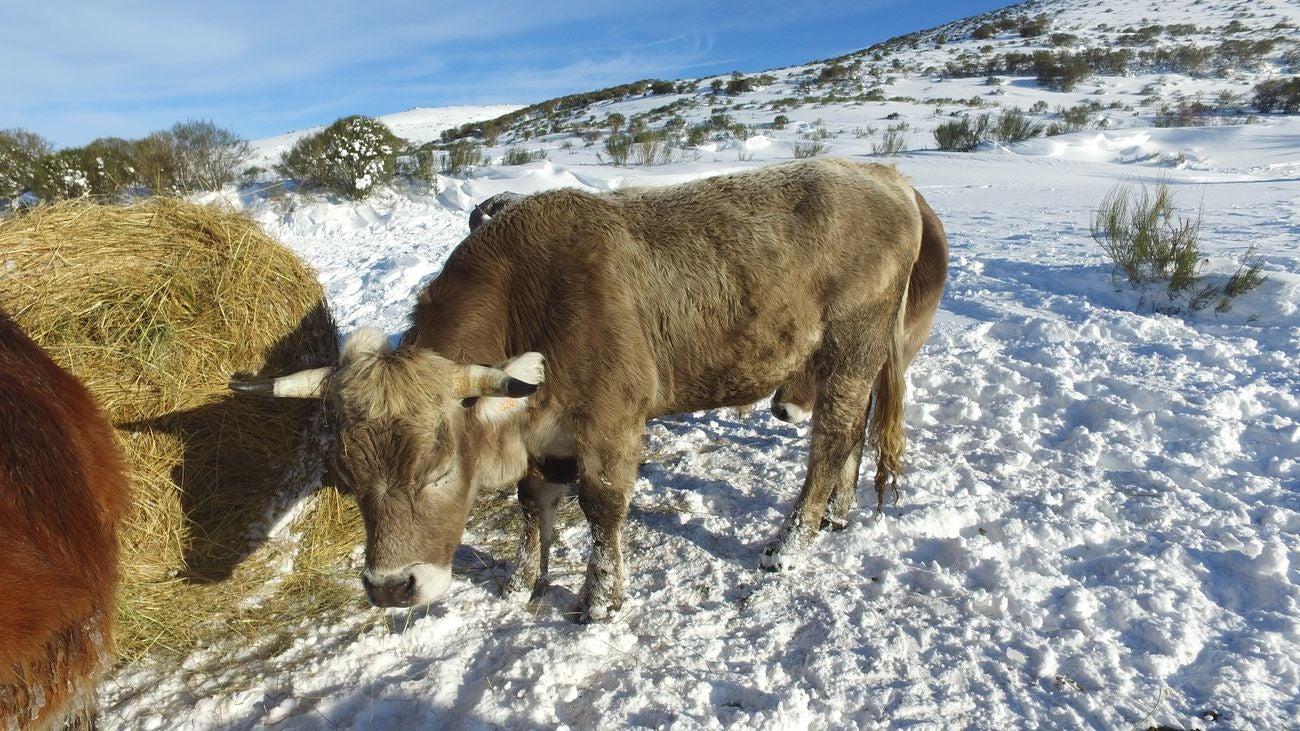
[61, 175]
[351, 157]
[104, 167]
[20, 153]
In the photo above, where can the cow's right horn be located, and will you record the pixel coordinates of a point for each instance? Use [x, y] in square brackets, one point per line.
[311, 383]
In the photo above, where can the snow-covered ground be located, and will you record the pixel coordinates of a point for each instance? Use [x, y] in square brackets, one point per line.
[1098, 527]
[1100, 524]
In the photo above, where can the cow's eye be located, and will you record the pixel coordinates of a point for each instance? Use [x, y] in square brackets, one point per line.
[438, 479]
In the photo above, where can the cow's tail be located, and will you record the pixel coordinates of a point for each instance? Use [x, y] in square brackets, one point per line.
[885, 428]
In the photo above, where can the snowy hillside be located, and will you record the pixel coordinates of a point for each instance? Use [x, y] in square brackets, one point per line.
[1100, 523]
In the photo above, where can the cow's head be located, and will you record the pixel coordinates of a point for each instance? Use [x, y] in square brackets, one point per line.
[484, 211]
[401, 415]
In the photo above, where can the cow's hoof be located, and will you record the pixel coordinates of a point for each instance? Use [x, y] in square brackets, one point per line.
[832, 525]
[779, 556]
[595, 612]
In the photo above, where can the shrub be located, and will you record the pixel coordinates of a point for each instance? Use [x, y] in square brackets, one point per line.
[20, 154]
[1014, 126]
[651, 148]
[460, 156]
[961, 135]
[780, 122]
[1278, 94]
[61, 175]
[893, 142]
[351, 157]
[809, 148]
[103, 167]
[739, 84]
[1035, 27]
[984, 31]
[521, 156]
[619, 148]
[1138, 231]
[614, 121]
[208, 155]
[1075, 118]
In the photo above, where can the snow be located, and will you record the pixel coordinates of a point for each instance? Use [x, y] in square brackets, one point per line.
[1098, 527]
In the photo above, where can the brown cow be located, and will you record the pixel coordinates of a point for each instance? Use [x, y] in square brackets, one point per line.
[793, 402]
[62, 491]
[639, 303]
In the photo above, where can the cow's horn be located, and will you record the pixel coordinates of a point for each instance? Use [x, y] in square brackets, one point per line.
[310, 383]
[477, 380]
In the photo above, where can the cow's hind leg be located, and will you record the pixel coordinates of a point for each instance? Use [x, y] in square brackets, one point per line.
[538, 501]
[844, 493]
[839, 420]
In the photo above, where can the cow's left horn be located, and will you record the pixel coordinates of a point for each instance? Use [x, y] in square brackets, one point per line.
[310, 383]
[476, 380]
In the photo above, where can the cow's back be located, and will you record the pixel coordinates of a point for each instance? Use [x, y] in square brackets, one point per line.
[734, 277]
[62, 491]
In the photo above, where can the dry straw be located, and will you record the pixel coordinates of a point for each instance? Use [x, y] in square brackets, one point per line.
[154, 306]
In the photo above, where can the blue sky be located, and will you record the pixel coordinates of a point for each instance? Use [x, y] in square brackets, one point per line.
[80, 70]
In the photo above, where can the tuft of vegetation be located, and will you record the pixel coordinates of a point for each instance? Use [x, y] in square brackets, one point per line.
[961, 135]
[619, 148]
[351, 157]
[20, 155]
[1138, 230]
[460, 156]
[809, 148]
[521, 156]
[651, 147]
[1278, 95]
[893, 142]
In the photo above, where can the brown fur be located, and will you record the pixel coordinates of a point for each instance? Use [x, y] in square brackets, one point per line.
[644, 303]
[925, 289]
[62, 491]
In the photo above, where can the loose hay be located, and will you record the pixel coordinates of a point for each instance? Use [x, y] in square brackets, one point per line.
[154, 306]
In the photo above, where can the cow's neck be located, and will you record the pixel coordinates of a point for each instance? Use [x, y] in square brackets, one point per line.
[464, 317]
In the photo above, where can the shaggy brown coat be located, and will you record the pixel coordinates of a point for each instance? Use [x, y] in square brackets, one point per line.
[62, 491]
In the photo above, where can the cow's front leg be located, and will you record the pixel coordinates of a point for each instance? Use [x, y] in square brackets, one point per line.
[607, 475]
[538, 500]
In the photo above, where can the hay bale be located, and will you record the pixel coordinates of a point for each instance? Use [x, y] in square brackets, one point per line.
[154, 306]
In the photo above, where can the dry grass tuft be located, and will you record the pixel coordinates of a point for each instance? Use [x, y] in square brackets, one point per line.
[154, 306]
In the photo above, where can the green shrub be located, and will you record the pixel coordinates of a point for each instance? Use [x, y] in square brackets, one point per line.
[1138, 231]
[460, 156]
[104, 167]
[1014, 126]
[351, 157]
[893, 142]
[780, 122]
[961, 135]
[619, 148]
[20, 155]
[62, 175]
[809, 148]
[651, 148]
[521, 156]
[1278, 94]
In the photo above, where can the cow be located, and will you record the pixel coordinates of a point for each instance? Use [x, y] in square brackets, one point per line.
[793, 401]
[62, 492]
[560, 326]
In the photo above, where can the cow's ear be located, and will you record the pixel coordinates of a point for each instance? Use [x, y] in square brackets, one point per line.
[477, 381]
